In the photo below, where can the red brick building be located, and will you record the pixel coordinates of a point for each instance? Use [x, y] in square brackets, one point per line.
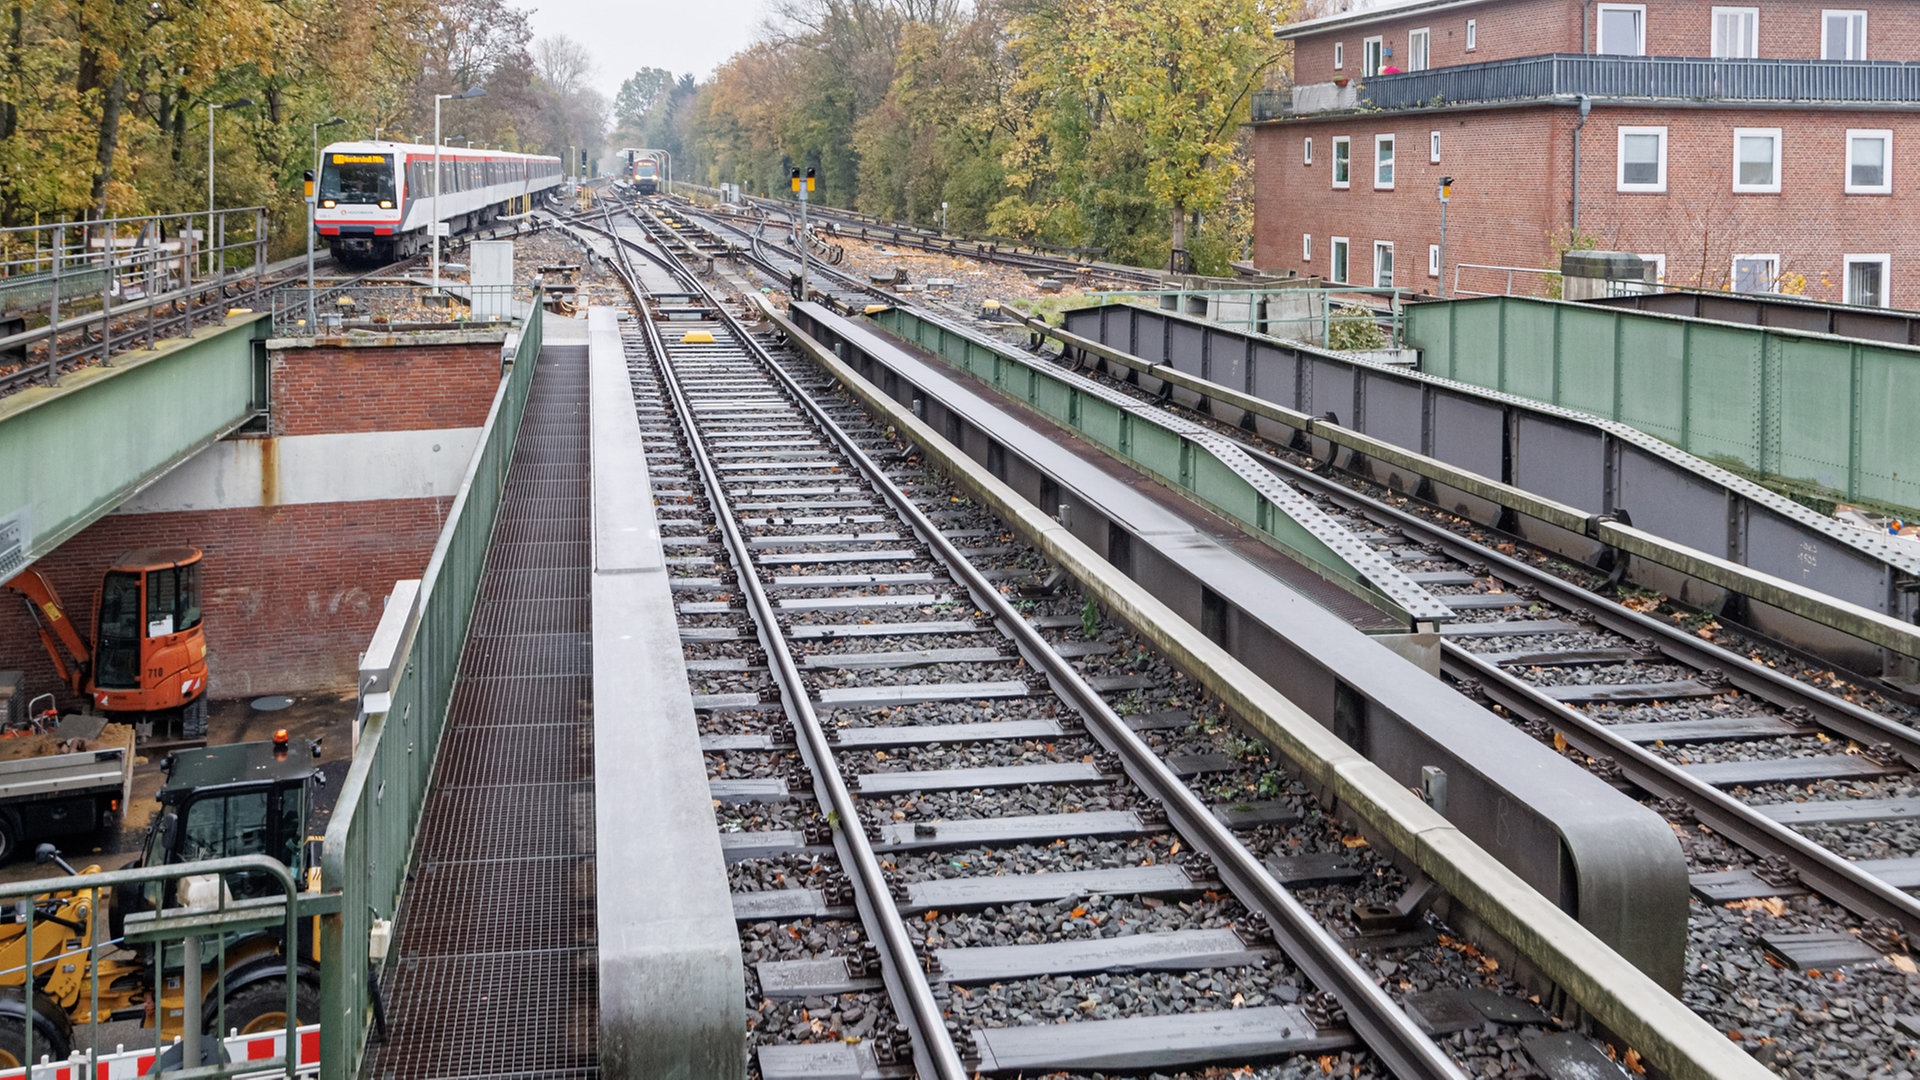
[1760, 146]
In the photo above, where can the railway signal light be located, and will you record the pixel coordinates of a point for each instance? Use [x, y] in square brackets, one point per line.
[307, 180]
[809, 179]
[796, 179]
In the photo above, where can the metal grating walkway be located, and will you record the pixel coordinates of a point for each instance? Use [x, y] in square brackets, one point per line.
[497, 964]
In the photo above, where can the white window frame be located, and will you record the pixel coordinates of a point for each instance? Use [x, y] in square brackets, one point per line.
[1433, 260]
[1425, 36]
[1885, 187]
[1306, 150]
[1773, 273]
[1886, 277]
[1772, 187]
[1473, 34]
[1433, 148]
[1826, 43]
[1306, 248]
[1339, 55]
[1342, 142]
[1373, 56]
[1620, 160]
[1720, 46]
[1392, 160]
[1600, 19]
[1378, 247]
[1344, 247]
[1659, 267]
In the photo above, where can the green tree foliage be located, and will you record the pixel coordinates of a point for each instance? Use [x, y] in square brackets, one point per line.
[103, 103]
[1071, 122]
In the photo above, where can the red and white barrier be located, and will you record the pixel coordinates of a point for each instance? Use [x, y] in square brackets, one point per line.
[135, 1063]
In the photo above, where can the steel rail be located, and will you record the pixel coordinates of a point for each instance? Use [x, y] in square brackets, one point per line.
[1387, 1030]
[1860, 891]
[934, 1051]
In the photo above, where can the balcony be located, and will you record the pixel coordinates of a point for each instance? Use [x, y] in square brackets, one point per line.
[1565, 75]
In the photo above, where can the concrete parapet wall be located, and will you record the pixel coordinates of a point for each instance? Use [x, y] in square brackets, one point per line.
[672, 985]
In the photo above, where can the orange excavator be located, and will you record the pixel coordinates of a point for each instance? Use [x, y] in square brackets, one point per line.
[148, 660]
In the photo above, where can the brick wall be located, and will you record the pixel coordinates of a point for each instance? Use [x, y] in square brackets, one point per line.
[1789, 29]
[331, 389]
[1513, 172]
[291, 593]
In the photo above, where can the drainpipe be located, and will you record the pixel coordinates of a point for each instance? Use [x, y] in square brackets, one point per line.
[1586, 106]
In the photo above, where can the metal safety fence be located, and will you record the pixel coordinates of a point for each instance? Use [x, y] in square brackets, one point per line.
[75, 293]
[407, 682]
[395, 309]
[88, 968]
[1319, 316]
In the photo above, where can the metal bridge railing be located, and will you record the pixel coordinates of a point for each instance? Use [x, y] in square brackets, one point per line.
[1572, 74]
[394, 309]
[1295, 312]
[77, 292]
[370, 836]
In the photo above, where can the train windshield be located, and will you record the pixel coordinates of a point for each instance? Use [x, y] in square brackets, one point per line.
[357, 178]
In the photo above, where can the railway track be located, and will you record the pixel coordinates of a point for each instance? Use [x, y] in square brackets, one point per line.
[951, 853]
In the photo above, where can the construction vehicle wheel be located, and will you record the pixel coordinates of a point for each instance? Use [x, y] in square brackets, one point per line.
[261, 1007]
[9, 837]
[52, 1030]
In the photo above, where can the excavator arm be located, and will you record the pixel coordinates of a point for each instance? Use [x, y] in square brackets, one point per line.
[65, 647]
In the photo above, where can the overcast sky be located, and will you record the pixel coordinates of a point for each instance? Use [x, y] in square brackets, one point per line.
[626, 35]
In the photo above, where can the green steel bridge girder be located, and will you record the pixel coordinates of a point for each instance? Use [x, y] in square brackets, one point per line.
[72, 452]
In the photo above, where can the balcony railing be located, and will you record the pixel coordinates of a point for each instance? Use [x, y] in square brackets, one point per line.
[1673, 78]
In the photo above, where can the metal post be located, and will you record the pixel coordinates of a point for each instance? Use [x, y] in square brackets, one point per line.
[433, 227]
[943, 217]
[190, 1021]
[1446, 196]
[804, 242]
[209, 243]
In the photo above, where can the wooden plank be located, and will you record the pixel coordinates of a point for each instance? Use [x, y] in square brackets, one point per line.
[1180, 950]
[994, 890]
[1144, 1043]
[998, 776]
[933, 734]
[996, 832]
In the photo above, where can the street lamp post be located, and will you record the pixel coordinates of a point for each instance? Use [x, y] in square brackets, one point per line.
[211, 106]
[434, 226]
[1446, 196]
[943, 218]
[312, 194]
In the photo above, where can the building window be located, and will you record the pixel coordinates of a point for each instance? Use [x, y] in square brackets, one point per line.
[1623, 29]
[1843, 35]
[1306, 248]
[1643, 159]
[1755, 273]
[1433, 147]
[1306, 151]
[1383, 163]
[1473, 35]
[1433, 260]
[1866, 280]
[1339, 55]
[1756, 159]
[1419, 49]
[1372, 53]
[1339, 269]
[1342, 161]
[1658, 264]
[1870, 162]
[1736, 33]
[1382, 265]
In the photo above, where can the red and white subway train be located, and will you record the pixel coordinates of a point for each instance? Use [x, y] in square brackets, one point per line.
[374, 199]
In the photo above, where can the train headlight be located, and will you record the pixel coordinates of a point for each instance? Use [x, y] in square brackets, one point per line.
[328, 203]
[386, 204]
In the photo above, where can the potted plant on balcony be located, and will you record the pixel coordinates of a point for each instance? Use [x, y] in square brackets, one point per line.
[1341, 82]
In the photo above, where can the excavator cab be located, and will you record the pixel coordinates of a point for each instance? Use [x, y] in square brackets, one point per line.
[150, 652]
[148, 657]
